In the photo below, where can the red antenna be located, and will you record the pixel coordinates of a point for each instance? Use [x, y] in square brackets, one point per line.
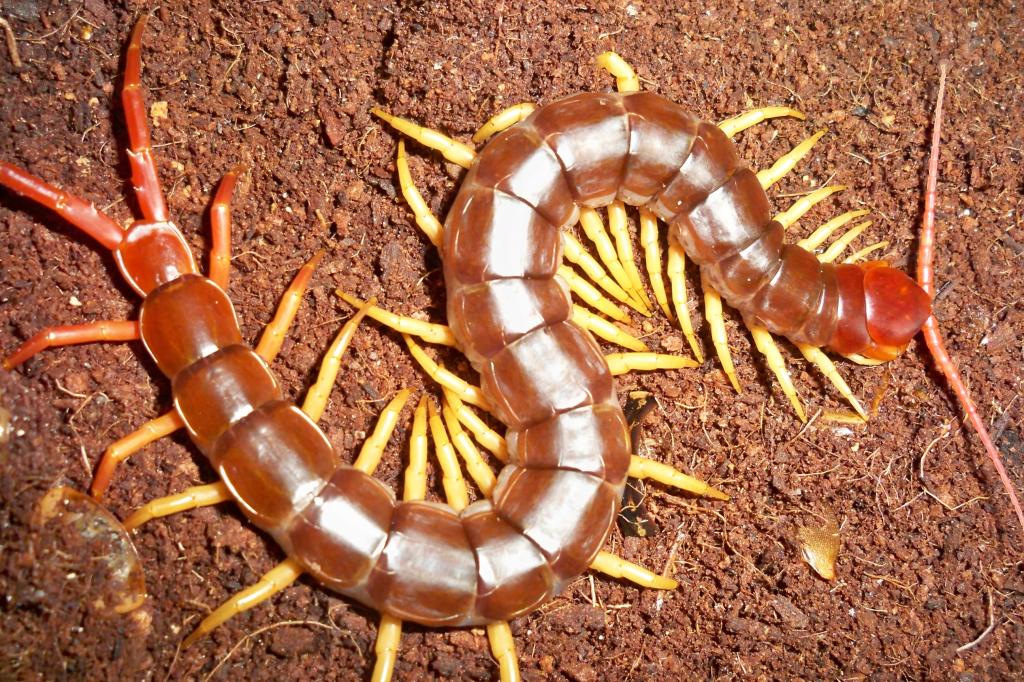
[932, 337]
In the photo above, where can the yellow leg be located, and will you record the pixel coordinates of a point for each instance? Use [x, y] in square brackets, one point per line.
[621, 363]
[428, 331]
[625, 77]
[273, 334]
[389, 637]
[373, 449]
[770, 176]
[503, 648]
[455, 492]
[643, 468]
[466, 391]
[820, 235]
[836, 247]
[867, 251]
[389, 634]
[862, 360]
[190, 498]
[586, 292]
[677, 277]
[617, 567]
[804, 204]
[426, 221]
[317, 395]
[453, 150]
[766, 345]
[599, 326]
[503, 120]
[275, 580]
[716, 323]
[818, 358]
[124, 448]
[748, 119]
[485, 435]
[576, 254]
[617, 224]
[652, 258]
[451, 473]
[477, 468]
[593, 226]
[415, 487]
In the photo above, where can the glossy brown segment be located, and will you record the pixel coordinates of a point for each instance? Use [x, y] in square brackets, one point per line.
[495, 314]
[567, 514]
[739, 277]
[545, 372]
[513, 575]
[274, 462]
[340, 534]
[519, 164]
[824, 316]
[712, 161]
[851, 333]
[153, 254]
[660, 137]
[213, 393]
[494, 235]
[589, 134]
[785, 302]
[185, 320]
[593, 439]
[729, 220]
[427, 571]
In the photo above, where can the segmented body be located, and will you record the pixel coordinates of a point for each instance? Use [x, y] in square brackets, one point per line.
[544, 376]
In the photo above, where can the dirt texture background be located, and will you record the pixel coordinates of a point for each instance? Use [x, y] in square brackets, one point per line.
[287, 89]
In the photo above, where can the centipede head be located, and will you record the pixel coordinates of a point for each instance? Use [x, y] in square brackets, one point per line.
[152, 254]
[881, 310]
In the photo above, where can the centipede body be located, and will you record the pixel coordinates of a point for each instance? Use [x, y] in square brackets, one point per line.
[103, 275]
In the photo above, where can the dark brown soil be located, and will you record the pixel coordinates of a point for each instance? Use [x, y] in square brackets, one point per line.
[287, 88]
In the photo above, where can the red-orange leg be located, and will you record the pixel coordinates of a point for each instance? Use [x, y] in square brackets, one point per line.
[79, 212]
[932, 337]
[153, 430]
[220, 222]
[140, 154]
[55, 337]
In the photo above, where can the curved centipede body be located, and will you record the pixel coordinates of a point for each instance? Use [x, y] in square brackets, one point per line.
[556, 501]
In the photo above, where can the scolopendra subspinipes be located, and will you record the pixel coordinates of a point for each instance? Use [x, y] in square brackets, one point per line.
[367, 291]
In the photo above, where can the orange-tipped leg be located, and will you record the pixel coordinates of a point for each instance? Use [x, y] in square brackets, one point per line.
[140, 153]
[220, 222]
[55, 337]
[118, 452]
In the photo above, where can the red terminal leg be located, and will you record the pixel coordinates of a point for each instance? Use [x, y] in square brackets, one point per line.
[79, 212]
[932, 337]
[54, 337]
[220, 222]
[140, 154]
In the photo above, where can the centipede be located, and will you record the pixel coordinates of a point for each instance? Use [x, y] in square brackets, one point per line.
[543, 376]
